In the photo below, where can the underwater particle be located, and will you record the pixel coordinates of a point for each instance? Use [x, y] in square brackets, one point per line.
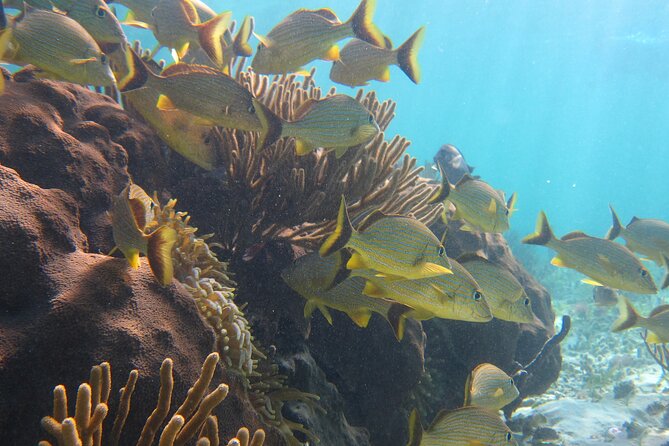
[546, 436]
[624, 389]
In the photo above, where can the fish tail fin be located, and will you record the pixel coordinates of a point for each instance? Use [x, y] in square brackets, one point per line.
[342, 233]
[543, 233]
[241, 43]
[211, 36]
[616, 227]
[665, 283]
[361, 23]
[407, 55]
[159, 253]
[397, 319]
[415, 429]
[138, 73]
[628, 315]
[272, 126]
[442, 192]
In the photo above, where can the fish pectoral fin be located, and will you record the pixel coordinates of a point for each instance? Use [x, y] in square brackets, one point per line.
[302, 147]
[82, 61]
[653, 338]
[340, 151]
[492, 207]
[356, 262]
[498, 393]
[181, 51]
[361, 317]
[591, 282]
[557, 261]
[385, 76]
[136, 24]
[429, 269]
[165, 103]
[606, 263]
[372, 290]
[332, 54]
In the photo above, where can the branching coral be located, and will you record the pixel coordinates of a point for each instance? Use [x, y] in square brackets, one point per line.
[192, 419]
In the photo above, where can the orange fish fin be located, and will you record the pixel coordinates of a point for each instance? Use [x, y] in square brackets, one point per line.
[360, 316]
[556, 261]
[165, 103]
[385, 76]
[332, 54]
[133, 257]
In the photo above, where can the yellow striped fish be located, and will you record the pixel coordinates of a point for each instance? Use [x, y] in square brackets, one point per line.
[306, 35]
[140, 11]
[337, 123]
[59, 46]
[317, 279]
[361, 61]
[477, 203]
[489, 387]
[603, 261]
[657, 322]
[393, 245]
[505, 295]
[454, 296]
[131, 212]
[94, 15]
[468, 426]
[182, 87]
[646, 236]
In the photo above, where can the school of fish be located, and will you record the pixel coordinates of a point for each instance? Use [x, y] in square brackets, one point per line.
[390, 265]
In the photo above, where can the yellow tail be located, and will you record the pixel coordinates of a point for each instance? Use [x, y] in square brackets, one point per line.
[159, 253]
[628, 318]
[407, 55]
[363, 28]
[543, 233]
[616, 227]
[211, 36]
[342, 233]
[415, 429]
[241, 43]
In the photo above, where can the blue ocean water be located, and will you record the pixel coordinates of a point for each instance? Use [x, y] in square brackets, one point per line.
[562, 102]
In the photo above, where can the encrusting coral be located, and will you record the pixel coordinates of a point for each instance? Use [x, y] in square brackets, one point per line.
[192, 419]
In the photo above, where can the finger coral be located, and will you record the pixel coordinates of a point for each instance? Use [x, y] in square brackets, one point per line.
[192, 419]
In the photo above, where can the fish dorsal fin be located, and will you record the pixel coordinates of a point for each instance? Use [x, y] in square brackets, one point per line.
[326, 13]
[466, 177]
[471, 257]
[184, 68]
[304, 108]
[661, 309]
[371, 218]
[575, 235]
[634, 219]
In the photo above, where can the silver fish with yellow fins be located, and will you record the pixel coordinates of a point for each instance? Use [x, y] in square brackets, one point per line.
[657, 322]
[454, 296]
[506, 297]
[317, 279]
[131, 213]
[467, 426]
[603, 261]
[361, 61]
[477, 203]
[337, 122]
[57, 45]
[94, 15]
[140, 11]
[393, 245]
[182, 87]
[489, 387]
[307, 35]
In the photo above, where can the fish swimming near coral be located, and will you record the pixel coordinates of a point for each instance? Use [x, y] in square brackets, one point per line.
[489, 387]
[657, 322]
[450, 160]
[603, 261]
[604, 296]
[361, 61]
[477, 203]
[467, 426]
[94, 15]
[131, 213]
[393, 245]
[57, 45]
[182, 87]
[646, 236]
[506, 296]
[337, 122]
[454, 296]
[306, 35]
[316, 279]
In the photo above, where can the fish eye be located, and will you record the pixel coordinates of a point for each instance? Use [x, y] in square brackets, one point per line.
[644, 273]
[506, 212]
[371, 118]
[527, 301]
[441, 251]
[260, 46]
[508, 436]
[511, 381]
[252, 109]
[100, 12]
[477, 295]
[104, 59]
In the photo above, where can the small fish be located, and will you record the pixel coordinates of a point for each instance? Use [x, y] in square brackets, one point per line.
[506, 296]
[176, 25]
[94, 15]
[646, 236]
[337, 122]
[57, 45]
[604, 296]
[361, 61]
[603, 261]
[306, 35]
[467, 426]
[657, 322]
[489, 387]
[131, 213]
[451, 161]
[317, 279]
[454, 296]
[182, 87]
[393, 245]
[479, 205]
